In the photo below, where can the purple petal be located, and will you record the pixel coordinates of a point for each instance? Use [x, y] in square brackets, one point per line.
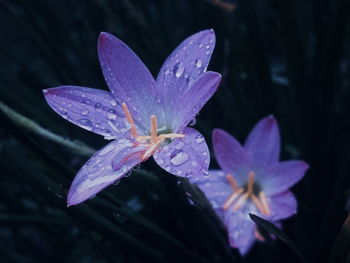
[104, 168]
[92, 109]
[229, 153]
[263, 142]
[282, 175]
[194, 99]
[241, 230]
[282, 205]
[185, 64]
[214, 186]
[185, 157]
[128, 78]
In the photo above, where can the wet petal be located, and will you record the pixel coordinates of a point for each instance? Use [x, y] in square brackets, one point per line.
[128, 78]
[185, 64]
[104, 168]
[263, 142]
[194, 99]
[214, 186]
[92, 109]
[282, 175]
[282, 205]
[228, 152]
[241, 230]
[185, 157]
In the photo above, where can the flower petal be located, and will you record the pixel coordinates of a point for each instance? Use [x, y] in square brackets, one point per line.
[282, 205]
[104, 168]
[214, 186]
[263, 142]
[229, 153]
[185, 64]
[92, 109]
[241, 230]
[185, 157]
[282, 175]
[128, 78]
[194, 99]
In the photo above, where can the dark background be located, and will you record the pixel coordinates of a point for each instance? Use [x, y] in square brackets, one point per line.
[289, 58]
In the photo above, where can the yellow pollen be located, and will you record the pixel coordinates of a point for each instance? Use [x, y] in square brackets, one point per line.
[239, 196]
[152, 141]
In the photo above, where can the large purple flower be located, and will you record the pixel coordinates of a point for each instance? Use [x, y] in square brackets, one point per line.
[252, 180]
[143, 116]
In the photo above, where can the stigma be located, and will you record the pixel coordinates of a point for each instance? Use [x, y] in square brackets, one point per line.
[241, 195]
[151, 142]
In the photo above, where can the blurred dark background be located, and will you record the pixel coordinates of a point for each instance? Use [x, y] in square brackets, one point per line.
[289, 58]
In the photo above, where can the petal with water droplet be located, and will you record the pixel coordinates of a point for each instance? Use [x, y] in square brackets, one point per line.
[179, 160]
[184, 61]
[87, 108]
[104, 168]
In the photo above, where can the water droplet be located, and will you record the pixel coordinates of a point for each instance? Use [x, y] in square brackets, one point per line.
[178, 172]
[188, 174]
[198, 63]
[200, 45]
[84, 112]
[179, 157]
[113, 103]
[211, 40]
[207, 46]
[167, 168]
[160, 161]
[194, 163]
[180, 145]
[205, 172]
[85, 123]
[111, 114]
[92, 197]
[199, 138]
[193, 122]
[98, 107]
[166, 71]
[179, 69]
[205, 153]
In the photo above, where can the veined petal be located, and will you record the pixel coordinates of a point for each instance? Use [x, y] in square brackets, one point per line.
[282, 205]
[282, 175]
[229, 153]
[92, 109]
[185, 157]
[241, 230]
[104, 168]
[263, 142]
[128, 78]
[185, 64]
[194, 99]
[214, 186]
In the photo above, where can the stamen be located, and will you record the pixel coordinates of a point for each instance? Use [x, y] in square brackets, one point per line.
[264, 203]
[232, 198]
[251, 176]
[258, 236]
[170, 136]
[240, 201]
[130, 120]
[153, 128]
[151, 150]
[232, 182]
[258, 204]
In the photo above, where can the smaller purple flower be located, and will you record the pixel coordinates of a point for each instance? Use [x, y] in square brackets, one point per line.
[252, 180]
[144, 117]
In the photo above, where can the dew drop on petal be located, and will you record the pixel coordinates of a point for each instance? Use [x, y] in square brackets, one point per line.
[87, 124]
[179, 157]
[199, 63]
[194, 163]
[179, 69]
[84, 112]
[111, 115]
[193, 122]
[98, 107]
[160, 161]
[180, 145]
[200, 45]
[199, 138]
[113, 103]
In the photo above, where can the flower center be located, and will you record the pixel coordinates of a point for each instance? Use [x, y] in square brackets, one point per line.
[152, 141]
[241, 195]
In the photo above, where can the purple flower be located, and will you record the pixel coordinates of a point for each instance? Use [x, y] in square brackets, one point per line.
[143, 116]
[252, 180]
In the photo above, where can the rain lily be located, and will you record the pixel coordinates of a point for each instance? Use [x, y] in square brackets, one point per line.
[252, 180]
[142, 116]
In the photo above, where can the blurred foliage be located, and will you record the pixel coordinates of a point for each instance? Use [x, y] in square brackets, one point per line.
[282, 57]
